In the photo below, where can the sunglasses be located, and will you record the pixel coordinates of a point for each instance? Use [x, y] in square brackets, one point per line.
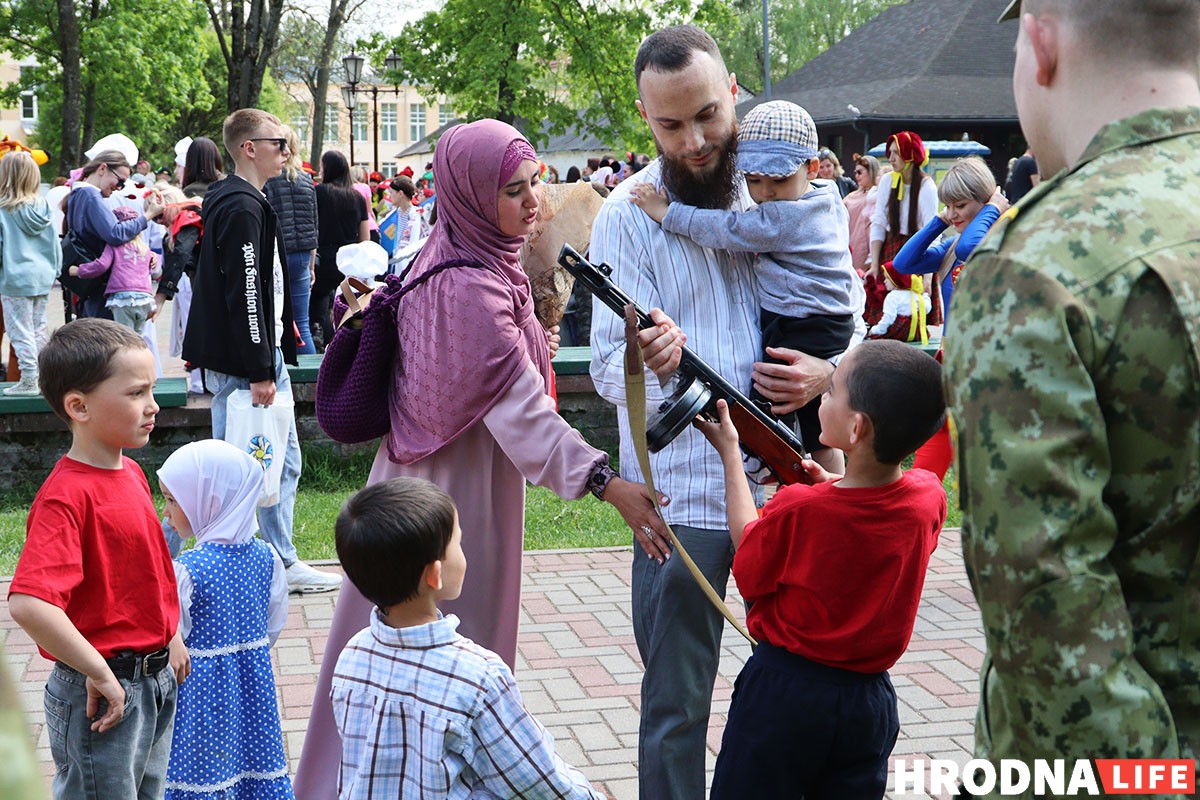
[280, 142]
[120, 181]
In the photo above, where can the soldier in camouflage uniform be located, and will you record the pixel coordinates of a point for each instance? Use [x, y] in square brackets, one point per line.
[1074, 381]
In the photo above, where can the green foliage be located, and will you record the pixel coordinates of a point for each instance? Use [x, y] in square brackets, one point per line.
[800, 31]
[143, 66]
[534, 61]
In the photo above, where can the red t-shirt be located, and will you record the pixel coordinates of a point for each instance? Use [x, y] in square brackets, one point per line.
[94, 547]
[835, 575]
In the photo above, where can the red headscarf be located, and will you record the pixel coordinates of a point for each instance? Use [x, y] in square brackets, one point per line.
[467, 334]
[911, 150]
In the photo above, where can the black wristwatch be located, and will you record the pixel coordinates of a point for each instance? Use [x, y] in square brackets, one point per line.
[597, 482]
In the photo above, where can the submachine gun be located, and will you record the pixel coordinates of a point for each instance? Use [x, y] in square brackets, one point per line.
[698, 388]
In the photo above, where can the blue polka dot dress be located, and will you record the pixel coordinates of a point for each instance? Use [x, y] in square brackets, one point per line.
[228, 743]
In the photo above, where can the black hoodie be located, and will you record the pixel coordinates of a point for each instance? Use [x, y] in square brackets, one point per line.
[231, 325]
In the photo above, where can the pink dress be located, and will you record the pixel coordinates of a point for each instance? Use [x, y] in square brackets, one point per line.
[860, 205]
[484, 469]
[365, 190]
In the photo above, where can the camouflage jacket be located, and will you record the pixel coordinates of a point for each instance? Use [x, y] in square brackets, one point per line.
[1074, 386]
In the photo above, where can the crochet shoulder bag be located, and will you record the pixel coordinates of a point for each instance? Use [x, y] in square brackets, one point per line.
[359, 363]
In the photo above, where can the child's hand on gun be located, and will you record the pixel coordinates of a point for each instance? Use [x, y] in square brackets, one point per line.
[722, 435]
[653, 201]
[817, 473]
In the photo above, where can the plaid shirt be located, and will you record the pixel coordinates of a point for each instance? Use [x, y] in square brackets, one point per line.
[424, 712]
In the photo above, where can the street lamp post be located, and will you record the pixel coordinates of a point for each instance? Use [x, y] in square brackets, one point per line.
[350, 101]
[353, 64]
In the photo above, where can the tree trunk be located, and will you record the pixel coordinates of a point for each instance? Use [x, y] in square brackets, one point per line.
[89, 116]
[337, 18]
[69, 155]
[319, 93]
[506, 95]
[253, 31]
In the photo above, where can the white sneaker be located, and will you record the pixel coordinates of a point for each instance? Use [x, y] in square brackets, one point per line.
[303, 579]
[26, 387]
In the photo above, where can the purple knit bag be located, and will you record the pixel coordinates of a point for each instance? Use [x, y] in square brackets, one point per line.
[360, 362]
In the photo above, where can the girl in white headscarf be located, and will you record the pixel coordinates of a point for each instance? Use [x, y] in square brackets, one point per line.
[233, 605]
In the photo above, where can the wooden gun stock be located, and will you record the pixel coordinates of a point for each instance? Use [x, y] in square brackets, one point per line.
[759, 439]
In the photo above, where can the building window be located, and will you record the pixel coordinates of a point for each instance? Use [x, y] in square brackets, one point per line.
[445, 114]
[416, 121]
[388, 168]
[388, 128]
[331, 123]
[360, 123]
[29, 104]
[300, 126]
[29, 111]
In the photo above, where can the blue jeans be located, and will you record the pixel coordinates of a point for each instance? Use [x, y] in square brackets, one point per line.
[678, 635]
[129, 761]
[274, 522]
[297, 265]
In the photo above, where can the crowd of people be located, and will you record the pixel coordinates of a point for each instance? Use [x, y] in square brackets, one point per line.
[1071, 394]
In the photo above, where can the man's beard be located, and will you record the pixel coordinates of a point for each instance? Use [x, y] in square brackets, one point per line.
[716, 188]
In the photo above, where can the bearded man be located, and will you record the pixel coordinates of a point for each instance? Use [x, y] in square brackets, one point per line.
[687, 96]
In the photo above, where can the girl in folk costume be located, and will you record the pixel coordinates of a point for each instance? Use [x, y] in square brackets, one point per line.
[973, 204]
[901, 211]
[905, 309]
[233, 605]
[469, 406]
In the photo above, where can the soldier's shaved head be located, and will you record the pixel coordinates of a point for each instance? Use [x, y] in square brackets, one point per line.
[1164, 33]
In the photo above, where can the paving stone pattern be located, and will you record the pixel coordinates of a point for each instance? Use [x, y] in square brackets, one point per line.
[579, 671]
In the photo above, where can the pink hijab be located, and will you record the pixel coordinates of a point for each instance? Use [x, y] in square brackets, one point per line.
[467, 334]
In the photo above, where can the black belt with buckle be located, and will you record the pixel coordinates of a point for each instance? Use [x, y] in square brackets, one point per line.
[132, 666]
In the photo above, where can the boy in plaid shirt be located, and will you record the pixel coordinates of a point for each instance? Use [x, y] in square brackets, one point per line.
[422, 711]
[811, 299]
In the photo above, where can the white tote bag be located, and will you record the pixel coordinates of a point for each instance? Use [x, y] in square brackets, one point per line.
[261, 431]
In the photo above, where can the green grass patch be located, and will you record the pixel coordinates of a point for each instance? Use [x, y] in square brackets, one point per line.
[551, 523]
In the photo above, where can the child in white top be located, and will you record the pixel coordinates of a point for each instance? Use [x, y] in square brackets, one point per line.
[233, 605]
[903, 309]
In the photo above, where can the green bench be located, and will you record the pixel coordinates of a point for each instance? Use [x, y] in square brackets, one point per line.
[168, 393]
[306, 370]
[569, 361]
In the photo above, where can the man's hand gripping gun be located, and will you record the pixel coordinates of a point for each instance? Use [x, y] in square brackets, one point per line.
[698, 389]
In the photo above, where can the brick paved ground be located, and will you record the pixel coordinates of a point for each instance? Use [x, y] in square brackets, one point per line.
[579, 671]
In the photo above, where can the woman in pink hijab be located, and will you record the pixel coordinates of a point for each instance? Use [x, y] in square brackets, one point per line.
[470, 409]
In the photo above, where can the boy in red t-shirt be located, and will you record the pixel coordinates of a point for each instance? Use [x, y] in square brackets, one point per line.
[833, 575]
[95, 587]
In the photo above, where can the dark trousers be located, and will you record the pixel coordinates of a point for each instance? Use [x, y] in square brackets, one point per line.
[798, 729]
[678, 635]
[818, 336]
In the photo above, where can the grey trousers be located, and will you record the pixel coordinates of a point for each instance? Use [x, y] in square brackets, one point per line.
[127, 762]
[678, 634]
